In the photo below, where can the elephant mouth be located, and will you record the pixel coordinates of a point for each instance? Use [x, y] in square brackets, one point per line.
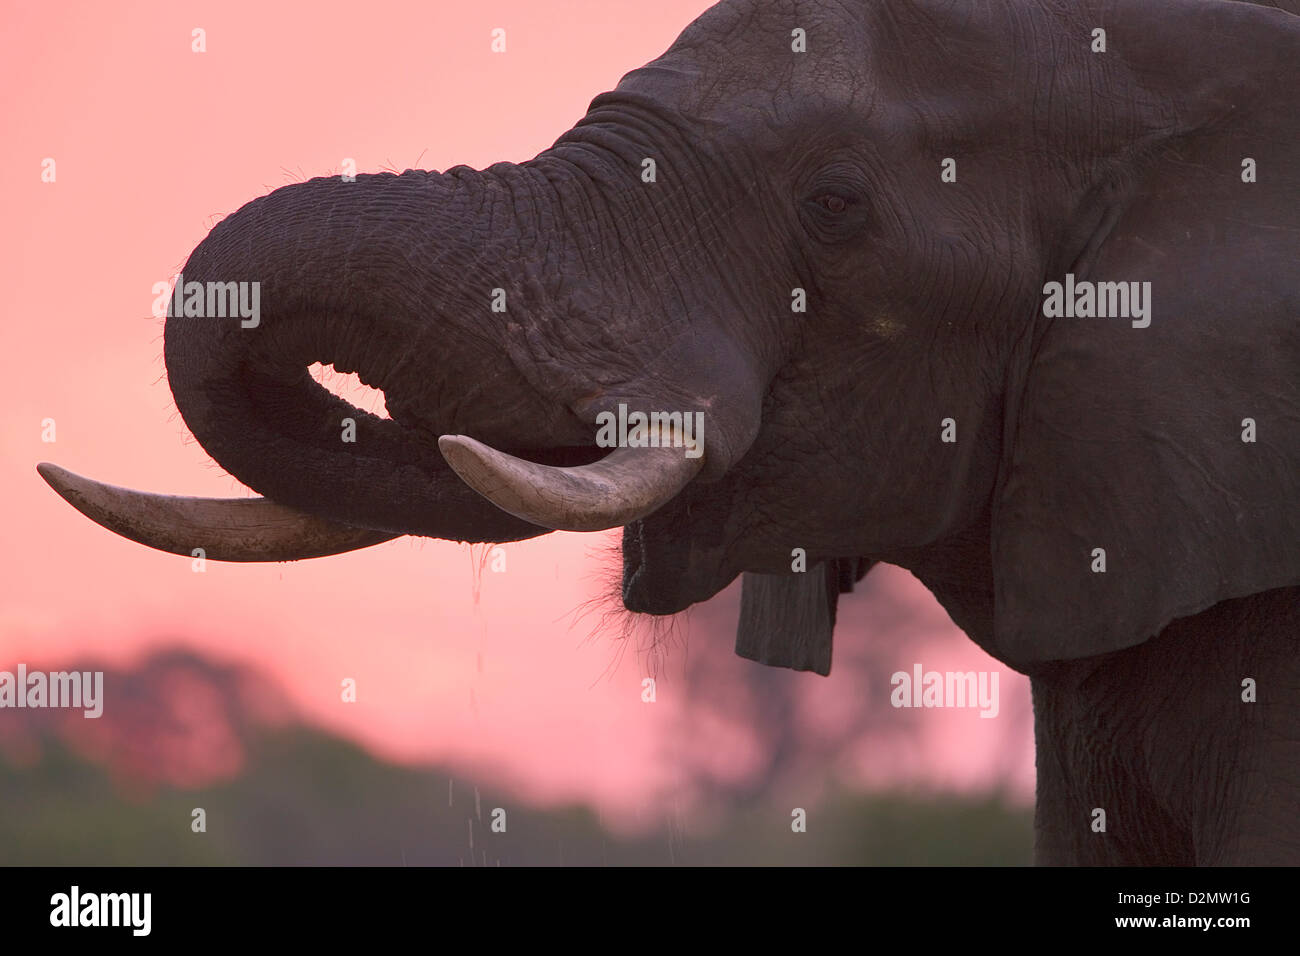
[643, 490]
[666, 571]
[646, 588]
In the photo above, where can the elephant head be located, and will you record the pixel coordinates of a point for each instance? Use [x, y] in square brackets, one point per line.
[830, 233]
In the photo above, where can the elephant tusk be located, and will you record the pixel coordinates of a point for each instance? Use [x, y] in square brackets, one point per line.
[226, 529]
[625, 485]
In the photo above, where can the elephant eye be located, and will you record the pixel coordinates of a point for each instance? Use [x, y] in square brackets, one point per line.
[833, 203]
[834, 215]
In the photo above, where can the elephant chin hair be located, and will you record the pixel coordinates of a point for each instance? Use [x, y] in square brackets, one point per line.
[650, 635]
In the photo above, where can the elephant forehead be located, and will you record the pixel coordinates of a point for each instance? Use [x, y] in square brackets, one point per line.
[785, 59]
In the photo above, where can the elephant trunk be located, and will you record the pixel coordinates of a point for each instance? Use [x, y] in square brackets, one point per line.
[482, 306]
[337, 280]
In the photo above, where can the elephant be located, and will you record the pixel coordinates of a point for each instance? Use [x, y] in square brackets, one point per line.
[1004, 294]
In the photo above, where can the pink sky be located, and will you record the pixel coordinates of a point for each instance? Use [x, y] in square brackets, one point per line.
[153, 143]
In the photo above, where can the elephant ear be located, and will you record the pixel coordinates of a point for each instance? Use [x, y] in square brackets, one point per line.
[787, 620]
[1170, 452]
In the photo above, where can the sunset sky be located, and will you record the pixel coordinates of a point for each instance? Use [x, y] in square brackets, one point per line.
[153, 144]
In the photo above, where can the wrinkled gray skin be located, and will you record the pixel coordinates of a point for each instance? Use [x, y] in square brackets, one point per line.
[820, 170]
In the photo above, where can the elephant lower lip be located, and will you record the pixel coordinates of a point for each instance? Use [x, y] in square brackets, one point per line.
[642, 599]
[651, 590]
[661, 578]
[641, 593]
